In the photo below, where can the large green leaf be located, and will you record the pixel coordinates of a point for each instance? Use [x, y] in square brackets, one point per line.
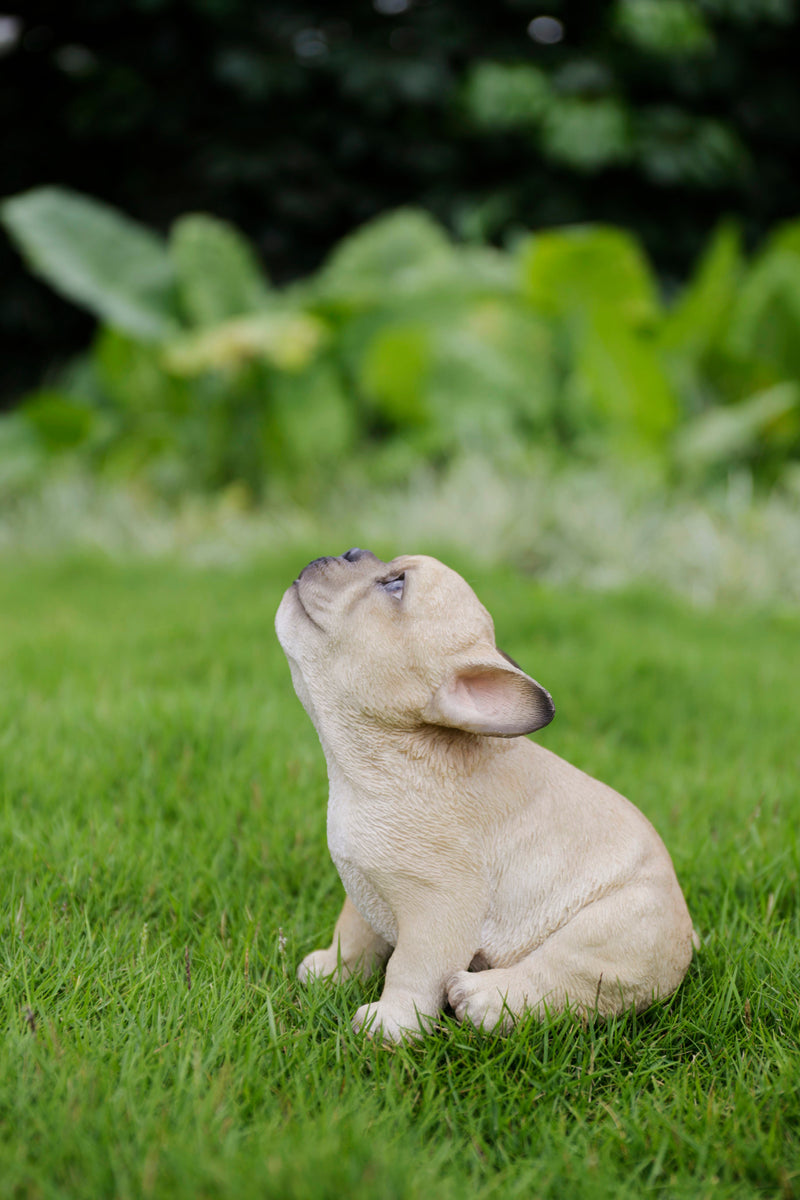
[765, 323]
[312, 421]
[433, 295]
[620, 377]
[385, 255]
[61, 422]
[394, 373]
[787, 237]
[96, 257]
[588, 270]
[476, 374]
[492, 380]
[133, 380]
[457, 278]
[471, 398]
[698, 321]
[516, 348]
[218, 273]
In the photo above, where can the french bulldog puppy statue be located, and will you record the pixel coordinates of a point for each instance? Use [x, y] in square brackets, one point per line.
[484, 870]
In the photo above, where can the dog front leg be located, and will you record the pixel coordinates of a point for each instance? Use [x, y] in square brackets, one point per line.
[430, 941]
[356, 949]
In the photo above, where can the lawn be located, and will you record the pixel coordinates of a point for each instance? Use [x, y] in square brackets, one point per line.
[164, 868]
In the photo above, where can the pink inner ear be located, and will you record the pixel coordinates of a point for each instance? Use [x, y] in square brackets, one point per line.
[487, 693]
[490, 698]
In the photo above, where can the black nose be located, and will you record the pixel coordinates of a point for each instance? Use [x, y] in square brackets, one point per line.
[355, 554]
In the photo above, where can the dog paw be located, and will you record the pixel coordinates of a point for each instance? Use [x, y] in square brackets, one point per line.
[321, 964]
[391, 1021]
[481, 999]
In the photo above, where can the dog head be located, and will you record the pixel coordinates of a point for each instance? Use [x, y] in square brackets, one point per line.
[401, 645]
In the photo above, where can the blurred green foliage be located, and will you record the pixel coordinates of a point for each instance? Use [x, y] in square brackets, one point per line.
[298, 122]
[404, 348]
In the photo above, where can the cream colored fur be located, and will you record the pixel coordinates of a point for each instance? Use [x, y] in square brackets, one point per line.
[460, 843]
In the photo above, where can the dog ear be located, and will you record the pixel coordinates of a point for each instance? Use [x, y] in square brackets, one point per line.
[490, 696]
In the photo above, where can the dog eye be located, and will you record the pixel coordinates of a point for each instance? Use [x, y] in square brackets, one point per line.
[394, 586]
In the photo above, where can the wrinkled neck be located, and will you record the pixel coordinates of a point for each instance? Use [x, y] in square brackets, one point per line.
[373, 757]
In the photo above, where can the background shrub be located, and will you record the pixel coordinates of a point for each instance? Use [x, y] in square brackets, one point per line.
[404, 348]
[298, 122]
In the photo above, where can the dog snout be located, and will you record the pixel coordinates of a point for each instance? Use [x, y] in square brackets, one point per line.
[317, 563]
[353, 555]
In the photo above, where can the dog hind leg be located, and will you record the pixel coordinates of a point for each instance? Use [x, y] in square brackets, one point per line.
[625, 949]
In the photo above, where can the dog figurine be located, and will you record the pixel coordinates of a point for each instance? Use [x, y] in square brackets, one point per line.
[489, 872]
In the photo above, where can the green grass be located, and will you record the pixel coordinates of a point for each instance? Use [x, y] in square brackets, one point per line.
[162, 822]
